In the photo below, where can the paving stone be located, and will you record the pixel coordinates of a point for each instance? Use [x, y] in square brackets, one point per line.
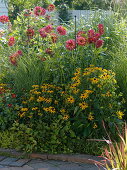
[8, 161]
[25, 167]
[2, 157]
[42, 164]
[19, 162]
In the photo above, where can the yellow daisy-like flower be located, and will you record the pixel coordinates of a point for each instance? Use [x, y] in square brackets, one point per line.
[75, 91]
[40, 99]
[24, 102]
[35, 86]
[73, 86]
[120, 114]
[37, 92]
[65, 117]
[24, 109]
[34, 108]
[105, 76]
[90, 117]
[46, 109]
[52, 109]
[84, 96]
[31, 98]
[75, 78]
[108, 94]
[48, 100]
[50, 91]
[70, 99]
[95, 126]
[86, 73]
[94, 80]
[89, 91]
[83, 105]
[62, 110]
[21, 114]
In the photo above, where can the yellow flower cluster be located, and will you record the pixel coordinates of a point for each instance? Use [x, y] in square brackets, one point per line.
[49, 109]
[120, 114]
[83, 105]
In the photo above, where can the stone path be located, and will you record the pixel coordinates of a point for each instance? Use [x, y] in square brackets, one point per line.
[7, 163]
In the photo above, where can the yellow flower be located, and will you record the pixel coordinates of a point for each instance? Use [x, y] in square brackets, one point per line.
[37, 92]
[70, 99]
[52, 109]
[73, 86]
[46, 109]
[50, 91]
[86, 73]
[83, 105]
[22, 114]
[84, 96]
[95, 126]
[105, 76]
[35, 86]
[65, 117]
[94, 80]
[75, 78]
[89, 91]
[48, 100]
[34, 108]
[77, 71]
[119, 114]
[75, 91]
[40, 99]
[31, 98]
[24, 102]
[62, 110]
[90, 117]
[24, 109]
[108, 94]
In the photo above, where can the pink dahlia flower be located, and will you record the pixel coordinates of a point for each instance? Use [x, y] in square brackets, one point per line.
[48, 28]
[99, 43]
[4, 19]
[81, 41]
[11, 41]
[51, 7]
[61, 30]
[70, 44]
[38, 11]
[101, 29]
[43, 33]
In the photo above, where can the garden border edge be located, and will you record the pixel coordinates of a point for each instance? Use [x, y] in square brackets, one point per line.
[77, 158]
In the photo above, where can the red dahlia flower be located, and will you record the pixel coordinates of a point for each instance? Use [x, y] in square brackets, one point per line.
[13, 58]
[9, 105]
[91, 33]
[48, 28]
[11, 41]
[70, 44]
[81, 34]
[61, 30]
[43, 33]
[99, 43]
[38, 11]
[51, 7]
[81, 41]
[13, 95]
[4, 19]
[101, 29]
